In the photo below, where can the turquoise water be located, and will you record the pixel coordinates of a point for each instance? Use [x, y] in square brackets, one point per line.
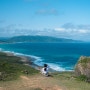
[59, 56]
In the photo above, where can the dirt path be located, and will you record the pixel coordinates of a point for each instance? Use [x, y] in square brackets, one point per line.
[32, 82]
[45, 83]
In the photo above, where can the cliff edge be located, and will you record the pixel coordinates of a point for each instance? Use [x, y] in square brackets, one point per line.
[83, 67]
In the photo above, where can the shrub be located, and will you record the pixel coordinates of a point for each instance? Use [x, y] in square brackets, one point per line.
[82, 78]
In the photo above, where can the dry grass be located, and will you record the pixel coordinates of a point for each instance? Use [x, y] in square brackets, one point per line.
[70, 82]
[36, 82]
[59, 81]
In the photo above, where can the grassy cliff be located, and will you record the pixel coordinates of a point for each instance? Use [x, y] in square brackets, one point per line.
[82, 68]
[11, 67]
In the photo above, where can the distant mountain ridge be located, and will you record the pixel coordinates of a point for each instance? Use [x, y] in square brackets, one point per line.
[40, 39]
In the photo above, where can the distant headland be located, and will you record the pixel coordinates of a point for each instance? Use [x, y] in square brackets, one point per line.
[37, 39]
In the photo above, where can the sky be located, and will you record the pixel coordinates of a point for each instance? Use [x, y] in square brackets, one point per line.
[59, 18]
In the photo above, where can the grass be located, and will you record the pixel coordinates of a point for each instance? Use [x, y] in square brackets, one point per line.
[84, 61]
[11, 67]
[68, 80]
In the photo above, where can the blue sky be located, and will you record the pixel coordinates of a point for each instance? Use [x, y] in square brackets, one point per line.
[59, 18]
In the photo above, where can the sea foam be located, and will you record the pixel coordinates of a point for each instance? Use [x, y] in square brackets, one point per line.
[56, 67]
[37, 60]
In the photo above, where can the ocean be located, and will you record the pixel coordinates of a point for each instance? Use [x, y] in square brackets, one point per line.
[59, 56]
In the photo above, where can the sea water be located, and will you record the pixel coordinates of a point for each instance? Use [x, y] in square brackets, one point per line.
[59, 56]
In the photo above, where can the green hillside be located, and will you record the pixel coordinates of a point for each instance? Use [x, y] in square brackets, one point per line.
[11, 67]
[40, 39]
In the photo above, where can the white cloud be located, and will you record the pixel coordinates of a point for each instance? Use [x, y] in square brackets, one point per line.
[83, 31]
[74, 33]
[59, 29]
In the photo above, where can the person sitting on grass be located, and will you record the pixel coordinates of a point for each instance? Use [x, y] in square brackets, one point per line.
[44, 70]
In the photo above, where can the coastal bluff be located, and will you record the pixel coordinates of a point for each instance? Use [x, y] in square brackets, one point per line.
[14, 76]
[83, 67]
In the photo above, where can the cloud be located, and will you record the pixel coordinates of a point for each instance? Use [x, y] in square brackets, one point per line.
[83, 31]
[47, 12]
[59, 29]
[68, 26]
[76, 32]
[73, 26]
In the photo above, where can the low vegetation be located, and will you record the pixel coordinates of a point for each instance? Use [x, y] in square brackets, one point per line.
[39, 39]
[84, 60]
[82, 69]
[11, 67]
[69, 81]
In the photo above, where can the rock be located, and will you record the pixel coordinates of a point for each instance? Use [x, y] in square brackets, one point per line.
[83, 66]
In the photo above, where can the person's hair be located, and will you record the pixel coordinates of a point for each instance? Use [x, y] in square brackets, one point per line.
[45, 65]
[45, 69]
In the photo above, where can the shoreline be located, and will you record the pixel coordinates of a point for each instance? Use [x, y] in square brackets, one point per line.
[57, 62]
[59, 80]
[27, 60]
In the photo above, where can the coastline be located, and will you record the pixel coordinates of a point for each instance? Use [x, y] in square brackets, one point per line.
[39, 56]
[58, 80]
[29, 60]
[26, 60]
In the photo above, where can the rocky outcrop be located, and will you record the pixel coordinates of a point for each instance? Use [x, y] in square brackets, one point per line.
[83, 66]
